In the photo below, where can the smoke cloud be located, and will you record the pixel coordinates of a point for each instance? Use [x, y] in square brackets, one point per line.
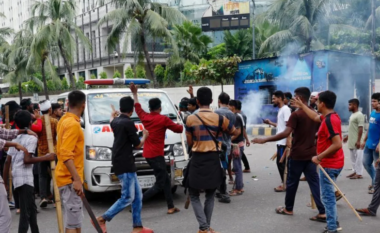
[254, 109]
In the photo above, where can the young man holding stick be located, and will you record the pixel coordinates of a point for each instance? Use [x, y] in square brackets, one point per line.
[302, 151]
[123, 162]
[330, 154]
[69, 170]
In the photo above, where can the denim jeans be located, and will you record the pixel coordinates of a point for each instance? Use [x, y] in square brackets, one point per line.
[203, 214]
[375, 203]
[328, 197]
[370, 155]
[130, 195]
[238, 170]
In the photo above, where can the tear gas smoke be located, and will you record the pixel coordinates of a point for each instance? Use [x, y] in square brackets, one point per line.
[253, 107]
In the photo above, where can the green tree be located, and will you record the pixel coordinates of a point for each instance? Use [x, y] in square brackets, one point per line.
[264, 30]
[4, 32]
[300, 22]
[141, 19]
[117, 74]
[80, 83]
[239, 43]
[219, 70]
[129, 72]
[13, 61]
[103, 75]
[55, 23]
[51, 85]
[93, 76]
[159, 71]
[217, 51]
[140, 71]
[65, 85]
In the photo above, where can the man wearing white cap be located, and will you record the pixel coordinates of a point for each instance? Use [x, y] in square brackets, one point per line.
[313, 100]
[44, 167]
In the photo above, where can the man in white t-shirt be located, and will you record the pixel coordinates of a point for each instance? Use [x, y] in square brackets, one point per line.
[283, 115]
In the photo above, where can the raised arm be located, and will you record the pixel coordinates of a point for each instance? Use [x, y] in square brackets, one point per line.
[310, 113]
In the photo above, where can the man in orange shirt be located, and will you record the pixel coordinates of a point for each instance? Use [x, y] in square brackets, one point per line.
[69, 171]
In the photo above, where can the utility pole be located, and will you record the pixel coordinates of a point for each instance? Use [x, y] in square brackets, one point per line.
[253, 31]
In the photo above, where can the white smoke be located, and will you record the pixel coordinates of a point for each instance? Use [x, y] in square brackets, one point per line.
[252, 105]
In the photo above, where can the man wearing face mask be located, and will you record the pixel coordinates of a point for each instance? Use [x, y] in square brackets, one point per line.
[153, 152]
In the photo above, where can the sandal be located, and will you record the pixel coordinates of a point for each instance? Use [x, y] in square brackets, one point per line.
[173, 210]
[231, 182]
[282, 210]
[370, 187]
[235, 193]
[318, 218]
[364, 212]
[279, 189]
[372, 191]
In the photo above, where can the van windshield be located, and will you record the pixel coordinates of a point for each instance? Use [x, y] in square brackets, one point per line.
[99, 105]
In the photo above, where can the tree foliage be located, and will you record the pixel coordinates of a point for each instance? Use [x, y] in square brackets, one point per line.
[129, 72]
[103, 75]
[159, 71]
[140, 71]
[116, 74]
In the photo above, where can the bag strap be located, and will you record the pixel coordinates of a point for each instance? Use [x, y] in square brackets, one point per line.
[208, 130]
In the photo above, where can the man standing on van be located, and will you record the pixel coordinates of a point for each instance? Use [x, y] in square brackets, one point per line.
[70, 166]
[156, 124]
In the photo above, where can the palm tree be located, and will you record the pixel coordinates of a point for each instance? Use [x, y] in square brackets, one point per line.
[263, 31]
[13, 61]
[39, 56]
[239, 44]
[4, 32]
[191, 43]
[299, 22]
[55, 22]
[141, 19]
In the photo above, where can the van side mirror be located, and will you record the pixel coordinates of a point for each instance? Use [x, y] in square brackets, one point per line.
[82, 123]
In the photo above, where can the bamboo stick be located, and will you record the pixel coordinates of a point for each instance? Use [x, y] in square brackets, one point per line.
[52, 168]
[337, 188]
[8, 126]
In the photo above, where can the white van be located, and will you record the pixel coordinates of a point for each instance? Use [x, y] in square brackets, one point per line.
[98, 172]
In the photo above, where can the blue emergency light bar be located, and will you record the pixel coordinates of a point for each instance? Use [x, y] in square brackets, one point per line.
[117, 81]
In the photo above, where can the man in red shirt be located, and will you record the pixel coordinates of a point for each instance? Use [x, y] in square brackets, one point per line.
[156, 124]
[329, 152]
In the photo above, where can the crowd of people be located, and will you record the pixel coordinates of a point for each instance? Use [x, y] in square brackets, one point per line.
[309, 135]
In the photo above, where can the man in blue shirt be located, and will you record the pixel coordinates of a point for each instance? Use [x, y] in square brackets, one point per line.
[371, 141]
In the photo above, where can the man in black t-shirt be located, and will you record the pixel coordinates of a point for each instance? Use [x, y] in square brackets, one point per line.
[123, 162]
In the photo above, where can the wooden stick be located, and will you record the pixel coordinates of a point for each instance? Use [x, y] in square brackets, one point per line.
[52, 168]
[183, 143]
[337, 188]
[8, 126]
[274, 157]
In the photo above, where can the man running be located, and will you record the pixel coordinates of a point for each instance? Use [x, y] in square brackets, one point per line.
[355, 132]
[329, 152]
[371, 141]
[153, 152]
[282, 119]
[302, 151]
[123, 163]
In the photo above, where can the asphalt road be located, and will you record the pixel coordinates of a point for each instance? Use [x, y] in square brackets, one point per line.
[252, 212]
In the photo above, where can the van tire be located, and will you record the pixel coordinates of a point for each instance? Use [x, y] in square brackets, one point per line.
[90, 196]
[174, 189]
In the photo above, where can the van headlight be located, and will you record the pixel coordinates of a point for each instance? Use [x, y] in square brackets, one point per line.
[98, 153]
[178, 150]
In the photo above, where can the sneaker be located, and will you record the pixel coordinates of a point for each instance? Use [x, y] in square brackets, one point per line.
[225, 199]
[11, 205]
[43, 203]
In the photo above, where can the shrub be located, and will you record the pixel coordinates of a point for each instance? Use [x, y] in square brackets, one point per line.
[103, 75]
[117, 74]
[80, 83]
[64, 85]
[93, 76]
[159, 71]
[51, 85]
[140, 72]
[129, 73]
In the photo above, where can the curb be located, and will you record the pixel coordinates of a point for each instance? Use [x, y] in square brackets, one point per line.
[261, 131]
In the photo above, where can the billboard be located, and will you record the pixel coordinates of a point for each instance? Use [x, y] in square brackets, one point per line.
[226, 15]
